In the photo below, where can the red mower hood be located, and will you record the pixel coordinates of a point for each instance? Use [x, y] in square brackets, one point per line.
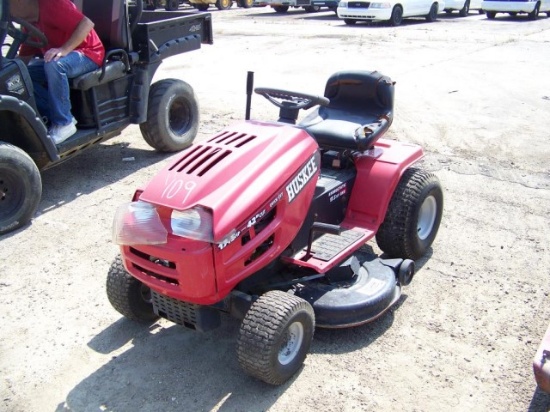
[233, 173]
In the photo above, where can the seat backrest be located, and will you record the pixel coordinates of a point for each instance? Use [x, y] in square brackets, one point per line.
[110, 18]
[360, 91]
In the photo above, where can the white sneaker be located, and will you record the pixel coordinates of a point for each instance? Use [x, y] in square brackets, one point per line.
[61, 133]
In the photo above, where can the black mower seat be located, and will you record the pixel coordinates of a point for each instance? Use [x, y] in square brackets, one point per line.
[360, 111]
[110, 18]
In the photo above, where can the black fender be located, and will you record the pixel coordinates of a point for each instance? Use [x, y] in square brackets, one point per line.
[23, 128]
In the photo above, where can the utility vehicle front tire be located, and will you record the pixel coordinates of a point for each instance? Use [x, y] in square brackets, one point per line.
[491, 15]
[246, 4]
[312, 9]
[20, 187]
[128, 295]
[350, 22]
[413, 216]
[172, 116]
[275, 336]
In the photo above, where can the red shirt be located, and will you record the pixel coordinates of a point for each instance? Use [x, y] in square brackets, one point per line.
[57, 20]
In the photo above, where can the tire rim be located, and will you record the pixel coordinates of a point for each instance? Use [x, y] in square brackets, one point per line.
[292, 342]
[11, 199]
[426, 217]
[179, 117]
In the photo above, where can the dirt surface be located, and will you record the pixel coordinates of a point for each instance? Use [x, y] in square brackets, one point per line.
[474, 93]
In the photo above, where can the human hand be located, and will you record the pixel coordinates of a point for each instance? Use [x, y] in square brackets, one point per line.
[54, 54]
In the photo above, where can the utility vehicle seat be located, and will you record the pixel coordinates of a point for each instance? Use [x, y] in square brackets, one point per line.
[112, 29]
[360, 111]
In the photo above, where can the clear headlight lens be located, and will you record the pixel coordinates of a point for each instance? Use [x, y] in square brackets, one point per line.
[380, 5]
[138, 223]
[195, 223]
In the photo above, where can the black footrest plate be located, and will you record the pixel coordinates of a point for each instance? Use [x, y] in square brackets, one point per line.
[328, 246]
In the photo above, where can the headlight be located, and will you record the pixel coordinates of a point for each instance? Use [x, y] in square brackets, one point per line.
[138, 223]
[195, 223]
[380, 5]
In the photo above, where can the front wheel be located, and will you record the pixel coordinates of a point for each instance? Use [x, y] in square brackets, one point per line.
[246, 4]
[20, 188]
[413, 216]
[275, 336]
[491, 15]
[128, 295]
[312, 9]
[396, 16]
[350, 22]
[172, 116]
[432, 15]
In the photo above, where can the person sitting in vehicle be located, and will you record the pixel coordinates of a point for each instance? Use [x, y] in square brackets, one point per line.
[73, 48]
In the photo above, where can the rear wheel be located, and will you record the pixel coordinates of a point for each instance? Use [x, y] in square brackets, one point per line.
[396, 16]
[280, 9]
[432, 15]
[224, 4]
[350, 22]
[128, 295]
[413, 216]
[465, 10]
[172, 5]
[20, 188]
[491, 15]
[534, 14]
[275, 336]
[172, 116]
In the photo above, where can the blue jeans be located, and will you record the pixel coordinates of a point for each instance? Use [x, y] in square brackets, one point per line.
[51, 84]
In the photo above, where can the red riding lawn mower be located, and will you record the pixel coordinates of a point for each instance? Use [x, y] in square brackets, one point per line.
[266, 221]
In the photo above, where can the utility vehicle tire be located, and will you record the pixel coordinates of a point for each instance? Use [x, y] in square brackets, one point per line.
[20, 188]
[396, 17]
[275, 336]
[350, 22]
[246, 4]
[172, 5]
[432, 15]
[280, 9]
[312, 9]
[413, 216]
[463, 12]
[534, 14]
[224, 4]
[172, 117]
[491, 15]
[202, 7]
[128, 295]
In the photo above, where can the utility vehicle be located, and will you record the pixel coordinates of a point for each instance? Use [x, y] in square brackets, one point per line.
[104, 102]
[267, 221]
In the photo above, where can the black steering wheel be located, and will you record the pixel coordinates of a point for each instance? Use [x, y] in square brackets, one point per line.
[33, 37]
[285, 99]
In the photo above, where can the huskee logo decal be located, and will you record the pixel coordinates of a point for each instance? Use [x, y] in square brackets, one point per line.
[301, 179]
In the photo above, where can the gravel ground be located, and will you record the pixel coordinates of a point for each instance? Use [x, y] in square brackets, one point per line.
[474, 93]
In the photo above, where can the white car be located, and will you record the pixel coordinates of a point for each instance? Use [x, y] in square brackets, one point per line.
[462, 6]
[531, 7]
[393, 11]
